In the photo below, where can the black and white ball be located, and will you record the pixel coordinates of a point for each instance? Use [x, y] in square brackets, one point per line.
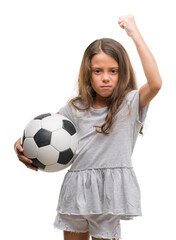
[50, 140]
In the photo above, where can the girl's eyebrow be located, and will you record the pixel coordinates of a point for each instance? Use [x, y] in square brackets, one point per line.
[115, 67]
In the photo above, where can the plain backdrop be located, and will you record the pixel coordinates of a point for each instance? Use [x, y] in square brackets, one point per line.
[41, 47]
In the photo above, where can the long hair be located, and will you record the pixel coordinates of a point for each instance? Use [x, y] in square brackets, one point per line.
[126, 80]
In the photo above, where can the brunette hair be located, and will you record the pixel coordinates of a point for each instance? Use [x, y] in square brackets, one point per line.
[126, 80]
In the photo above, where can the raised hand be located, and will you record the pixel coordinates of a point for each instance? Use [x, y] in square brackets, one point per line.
[128, 23]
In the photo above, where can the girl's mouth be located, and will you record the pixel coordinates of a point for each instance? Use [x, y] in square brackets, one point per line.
[105, 87]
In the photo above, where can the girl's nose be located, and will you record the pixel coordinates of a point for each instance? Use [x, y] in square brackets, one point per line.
[105, 77]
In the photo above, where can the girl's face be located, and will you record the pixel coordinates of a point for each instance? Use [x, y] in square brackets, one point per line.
[104, 76]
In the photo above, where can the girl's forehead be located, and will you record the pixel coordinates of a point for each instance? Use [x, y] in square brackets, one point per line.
[103, 59]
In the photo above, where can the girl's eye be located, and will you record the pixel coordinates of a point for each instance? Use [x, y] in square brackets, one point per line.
[97, 71]
[114, 71]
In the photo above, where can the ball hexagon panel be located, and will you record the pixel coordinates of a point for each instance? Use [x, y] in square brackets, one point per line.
[56, 167]
[56, 123]
[65, 142]
[42, 137]
[47, 155]
[56, 115]
[74, 142]
[32, 128]
[30, 148]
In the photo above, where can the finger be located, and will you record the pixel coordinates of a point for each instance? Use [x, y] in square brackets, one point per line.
[24, 159]
[121, 18]
[122, 21]
[19, 147]
[122, 25]
[31, 167]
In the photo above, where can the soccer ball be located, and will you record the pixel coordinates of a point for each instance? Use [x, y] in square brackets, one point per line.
[50, 141]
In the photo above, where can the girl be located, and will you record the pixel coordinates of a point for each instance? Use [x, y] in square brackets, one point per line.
[101, 187]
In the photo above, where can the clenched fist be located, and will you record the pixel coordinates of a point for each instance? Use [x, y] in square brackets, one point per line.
[128, 23]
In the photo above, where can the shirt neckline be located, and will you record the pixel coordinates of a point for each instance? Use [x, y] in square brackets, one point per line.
[98, 109]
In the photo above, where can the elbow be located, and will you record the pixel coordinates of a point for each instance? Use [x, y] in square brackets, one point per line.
[157, 86]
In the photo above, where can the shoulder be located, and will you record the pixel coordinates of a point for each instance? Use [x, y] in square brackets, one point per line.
[134, 100]
[131, 95]
[75, 110]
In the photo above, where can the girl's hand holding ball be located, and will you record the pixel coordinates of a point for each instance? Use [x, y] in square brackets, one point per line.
[19, 151]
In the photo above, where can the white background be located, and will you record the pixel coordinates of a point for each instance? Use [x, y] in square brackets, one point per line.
[41, 47]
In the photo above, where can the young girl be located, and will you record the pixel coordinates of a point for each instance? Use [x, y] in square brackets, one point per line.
[101, 187]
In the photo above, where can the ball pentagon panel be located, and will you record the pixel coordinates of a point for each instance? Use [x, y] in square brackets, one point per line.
[65, 156]
[41, 116]
[42, 137]
[36, 163]
[69, 127]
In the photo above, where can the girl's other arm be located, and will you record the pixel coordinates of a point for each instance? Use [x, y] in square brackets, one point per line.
[19, 151]
[154, 82]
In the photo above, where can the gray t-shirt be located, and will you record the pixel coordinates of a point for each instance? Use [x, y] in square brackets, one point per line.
[101, 178]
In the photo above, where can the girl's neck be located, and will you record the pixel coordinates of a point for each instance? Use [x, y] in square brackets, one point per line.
[99, 102]
[98, 105]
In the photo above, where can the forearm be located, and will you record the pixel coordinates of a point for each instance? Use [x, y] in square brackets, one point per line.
[148, 62]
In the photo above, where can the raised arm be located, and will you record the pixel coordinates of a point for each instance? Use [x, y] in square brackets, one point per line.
[154, 82]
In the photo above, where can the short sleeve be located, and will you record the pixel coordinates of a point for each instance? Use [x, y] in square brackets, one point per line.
[138, 117]
[66, 111]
